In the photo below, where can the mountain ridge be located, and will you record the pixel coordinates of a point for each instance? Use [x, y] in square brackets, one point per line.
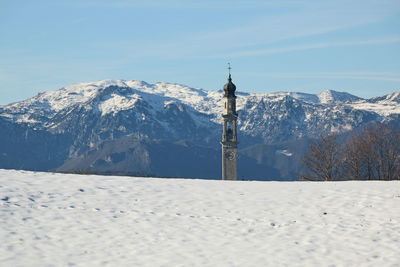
[79, 93]
[160, 117]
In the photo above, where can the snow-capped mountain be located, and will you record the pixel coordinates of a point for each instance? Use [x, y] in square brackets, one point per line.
[104, 98]
[331, 96]
[93, 118]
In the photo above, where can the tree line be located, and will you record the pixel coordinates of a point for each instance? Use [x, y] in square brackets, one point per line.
[371, 153]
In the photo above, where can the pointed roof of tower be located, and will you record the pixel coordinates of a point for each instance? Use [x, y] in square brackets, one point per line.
[229, 87]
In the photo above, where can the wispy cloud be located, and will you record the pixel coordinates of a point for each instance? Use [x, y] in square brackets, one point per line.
[183, 4]
[286, 49]
[257, 36]
[378, 76]
[307, 19]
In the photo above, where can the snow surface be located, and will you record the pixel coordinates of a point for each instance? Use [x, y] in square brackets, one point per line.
[52, 219]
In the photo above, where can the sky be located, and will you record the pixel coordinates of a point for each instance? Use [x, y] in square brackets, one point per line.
[272, 45]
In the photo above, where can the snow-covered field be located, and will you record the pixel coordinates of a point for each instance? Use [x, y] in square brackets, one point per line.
[76, 220]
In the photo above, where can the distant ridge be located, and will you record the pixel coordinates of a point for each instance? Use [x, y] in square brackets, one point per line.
[126, 125]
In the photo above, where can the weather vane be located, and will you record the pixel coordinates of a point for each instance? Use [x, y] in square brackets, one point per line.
[229, 68]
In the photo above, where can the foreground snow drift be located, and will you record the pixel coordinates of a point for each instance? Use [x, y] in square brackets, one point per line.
[59, 220]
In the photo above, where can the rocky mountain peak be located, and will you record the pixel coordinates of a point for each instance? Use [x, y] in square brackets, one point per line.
[331, 96]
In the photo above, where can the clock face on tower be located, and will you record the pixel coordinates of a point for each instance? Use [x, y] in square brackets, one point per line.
[230, 155]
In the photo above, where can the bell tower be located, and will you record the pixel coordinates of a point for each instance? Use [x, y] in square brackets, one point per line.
[229, 132]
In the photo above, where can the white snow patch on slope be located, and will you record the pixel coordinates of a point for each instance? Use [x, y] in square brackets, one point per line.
[117, 103]
[393, 97]
[63, 219]
[284, 152]
[384, 108]
[330, 96]
[326, 97]
[278, 96]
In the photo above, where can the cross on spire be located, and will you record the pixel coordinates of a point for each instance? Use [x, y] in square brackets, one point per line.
[229, 68]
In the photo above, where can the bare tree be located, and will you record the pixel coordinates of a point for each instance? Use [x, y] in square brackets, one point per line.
[323, 159]
[372, 153]
[367, 140]
[353, 165]
[359, 162]
[386, 144]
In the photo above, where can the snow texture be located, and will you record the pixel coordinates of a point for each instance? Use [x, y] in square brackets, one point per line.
[52, 219]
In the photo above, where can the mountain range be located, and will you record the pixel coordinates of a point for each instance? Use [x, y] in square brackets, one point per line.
[172, 130]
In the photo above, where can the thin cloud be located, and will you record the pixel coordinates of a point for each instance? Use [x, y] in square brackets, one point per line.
[245, 38]
[312, 46]
[319, 18]
[378, 76]
[182, 4]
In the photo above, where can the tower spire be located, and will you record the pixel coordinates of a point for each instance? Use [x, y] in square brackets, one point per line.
[229, 131]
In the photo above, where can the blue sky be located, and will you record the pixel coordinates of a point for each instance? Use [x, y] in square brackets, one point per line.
[278, 45]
